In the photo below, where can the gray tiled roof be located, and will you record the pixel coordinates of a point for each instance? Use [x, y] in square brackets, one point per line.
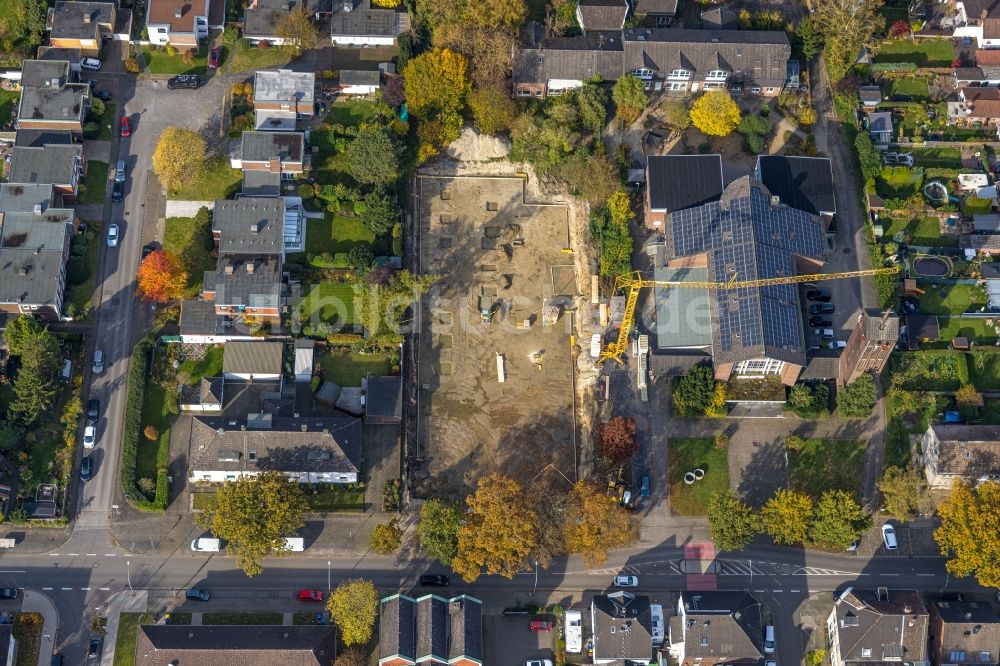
[879, 328]
[250, 226]
[68, 19]
[656, 7]
[246, 645]
[199, 318]
[445, 628]
[969, 451]
[805, 183]
[37, 230]
[258, 183]
[49, 164]
[615, 611]
[31, 259]
[874, 627]
[283, 85]
[722, 626]
[23, 197]
[574, 58]
[870, 94]
[42, 72]
[364, 21]
[824, 364]
[384, 397]
[744, 234]
[53, 53]
[677, 363]
[603, 14]
[66, 103]
[260, 288]
[676, 182]
[293, 445]
[32, 138]
[360, 77]
[880, 122]
[968, 629]
[256, 357]
[262, 146]
[260, 22]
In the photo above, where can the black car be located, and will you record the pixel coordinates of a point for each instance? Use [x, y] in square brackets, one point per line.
[96, 644]
[148, 249]
[8, 593]
[820, 308]
[86, 468]
[434, 580]
[57, 660]
[190, 81]
[820, 321]
[93, 409]
[818, 295]
[118, 192]
[102, 95]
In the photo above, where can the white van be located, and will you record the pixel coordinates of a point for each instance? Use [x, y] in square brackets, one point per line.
[295, 544]
[574, 632]
[205, 545]
[769, 639]
[656, 624]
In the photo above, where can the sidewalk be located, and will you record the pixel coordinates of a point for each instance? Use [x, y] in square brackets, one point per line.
[36, 602]
[122, 602]
[32, 540]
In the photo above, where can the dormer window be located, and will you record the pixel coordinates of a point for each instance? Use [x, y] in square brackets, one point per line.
[866, 653]
[643, 73]
[680, 74]
[717, 75]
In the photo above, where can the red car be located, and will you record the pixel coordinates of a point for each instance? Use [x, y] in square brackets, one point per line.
[125, 127]
[311, 595]
[540, 625]
[215, 58]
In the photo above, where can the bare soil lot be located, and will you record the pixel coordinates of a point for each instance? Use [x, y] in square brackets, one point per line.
[493, 252]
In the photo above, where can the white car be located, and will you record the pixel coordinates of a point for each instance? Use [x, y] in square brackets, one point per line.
[98, 366]
[889, 537]
[538, 662]
[112, 235]
[769, 639]
[626, 581]
[89, 437]
[92, 64]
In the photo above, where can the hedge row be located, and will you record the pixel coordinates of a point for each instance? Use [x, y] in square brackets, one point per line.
[138, 370]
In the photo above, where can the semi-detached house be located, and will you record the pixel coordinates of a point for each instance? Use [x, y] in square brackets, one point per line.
[183, 23]
[50, 99]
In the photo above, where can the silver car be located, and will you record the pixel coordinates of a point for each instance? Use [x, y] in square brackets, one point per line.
[113, 235]
[120, 171]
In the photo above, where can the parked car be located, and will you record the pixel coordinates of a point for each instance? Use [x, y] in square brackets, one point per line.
[190, 81]
[769, 639]
[215, 58]
[96, 646]
[540, 625]
[824, 333]
[93, 409]
[118, 192]
[206, 545]
[889, 537]
[644, 486]
[627, 499]
[98, 366]
[89, 437]
[148, 249]
[86, 468]
[8, 593]
[120, 171]
[820, 321]
[820, 309]
[102, 95]
[112, 235]
[194, 594]
[57, 660]
[434, 580]
[837, 344]
[90, 64]
[626, 581]
[311, 595]
[538, 662]
[820, 295]
[125, 127]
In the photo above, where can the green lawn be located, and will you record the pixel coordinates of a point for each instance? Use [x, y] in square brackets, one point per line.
[241, 618]
[685, 455]
[81, 295]
[203, 501]
[336, 233]
[218, 181]
[952, 299]
[336, 498]
[329, 166]
[208, 366]
[331, 302]
[985, 370]
[921, 231]
[921, 52]
[974, 329]
[937, 157]
[911, 86]
[158, 62]
[95, 182]
[930, 370]
[128, 627]
[8, 100]
[42, 459]
[350, 112]
[819, 465]
[182, 237]
[348, 368]
[898, 182]
[108, 121]
[159, 409]
[245, 58]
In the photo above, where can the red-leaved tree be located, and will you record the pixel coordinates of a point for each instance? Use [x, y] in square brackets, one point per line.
[161, 277]
[617, 439]
[899, 29]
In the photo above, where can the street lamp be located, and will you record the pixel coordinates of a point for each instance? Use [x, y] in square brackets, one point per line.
[128, 576]
[328, 575]
[535, 588]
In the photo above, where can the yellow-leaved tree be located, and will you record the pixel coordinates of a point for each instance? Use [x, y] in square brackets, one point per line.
[499, 531]
[179, 157]
[436, 84]
[595, 522]
[970, 531]
[787, 515]
[353, 607]
[715, 113]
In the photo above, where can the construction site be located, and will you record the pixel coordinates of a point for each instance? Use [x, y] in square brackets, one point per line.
[494, 384]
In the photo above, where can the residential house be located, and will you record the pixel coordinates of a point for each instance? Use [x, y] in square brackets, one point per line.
[305, 645]
[261, 184]
[49, 98]
[274, 152]
[756, 331]
[562, 64]
[31, 138]
[307, 449]
[870, 96]
[26, 197]
[281, 97]
[655, 13]
[717, 628]
[73, 24]
[622, 628]
[255, 360]
[183, 23]
[921, 328]
[989, 270]
[357, 23]
[985, 73]
[967, 452]
[262, 16]
[383, 400]
[976, 105]
[72, 56]
[601, 15]
[870, 627]
[870, 344]
[719, 18]
[201, 325]
[880, 128]
[431, 630]
[59, 165]
[805, 183]
[205, 396]
[359, 82]
[677, 182]
[974, 244]
[978, 19]
[34, 247]
[964, 633]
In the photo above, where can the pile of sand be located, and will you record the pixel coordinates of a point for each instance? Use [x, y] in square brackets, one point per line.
[472, 146]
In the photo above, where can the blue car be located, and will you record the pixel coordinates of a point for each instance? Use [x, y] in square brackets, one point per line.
[644, 486]
[194, 594]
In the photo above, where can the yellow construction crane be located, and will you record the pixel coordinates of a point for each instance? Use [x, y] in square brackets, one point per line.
[636, 283]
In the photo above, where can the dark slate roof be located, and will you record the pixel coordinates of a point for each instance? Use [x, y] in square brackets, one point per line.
[656, 7]
[919, 327]
[824, 364]
[431, 626]
[68, 19]
[969, 451]
[677, 182]
[53, 164]
[719, 18]
[43, 72]
[746, 235]
[870, 94]
[677, 364]
[364, 21]
[260, 183]
[256, 357]
[751, 55]
[6, 633]
[31, 257]
[990, 270]
[805, 183]
[979, 242]
[246, 645]
[198, 318]
[969, 629]
[384, 397]
[53, 53]
[722, 626]
[874, 627]
[250, 226]
[603, 14]
[24, 197]
[260, 21]
[573, 58]
[360, 77]
[262, 146]
[283, 444]
[617, 611]
[206, 392]
[233, 284]
[880, 326]
[32, 138]
[967, 74]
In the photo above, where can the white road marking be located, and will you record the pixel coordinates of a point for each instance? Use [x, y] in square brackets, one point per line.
[777, 590]
[91, 554]
[66, 589]
[110, 554]
[760, 590]
[889, 574]
[46, 589]
[926, 574]
[85, 589]
[104, 589]
[794, 591]
[13, 571]
[74, 554]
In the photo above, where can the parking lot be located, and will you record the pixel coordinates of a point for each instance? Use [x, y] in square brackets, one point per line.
[510, 641]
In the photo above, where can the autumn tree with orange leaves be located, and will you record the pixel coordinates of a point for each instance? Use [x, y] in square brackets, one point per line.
[161, 278]
[617, 439]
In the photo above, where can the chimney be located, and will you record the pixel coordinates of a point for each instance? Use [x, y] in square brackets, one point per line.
[250, 267]
[274, 165]
[37, 210]
[229, 269]
[304, 427]
[775, 201]
[87, 18]
[179, 12]
[348, 5]
[255, 227]
[968, 615]
[907, 608]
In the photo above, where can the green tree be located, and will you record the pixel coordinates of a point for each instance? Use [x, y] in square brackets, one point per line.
[838, 520]
[353, 608]
[810, 39]
[904, 492]
[615, 243]
[493, 110]
[871, 160]
[753, 124]
[254, 514]
[809, 400]
[380, 213]
[438, 529]
[846, 26]
[296, 31]
[10, 436]
[692, 393]
[715, 113]
[857, 399]
[630, 98]
[676, 114]
[592, 103]
[499, 531]
[373, 157]
[37, 385]
[733, 523]
[22, 24]
[20, 331]
[786, 517]
[591, 177]
[436, 84]
[386, 538]
[970, 531]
